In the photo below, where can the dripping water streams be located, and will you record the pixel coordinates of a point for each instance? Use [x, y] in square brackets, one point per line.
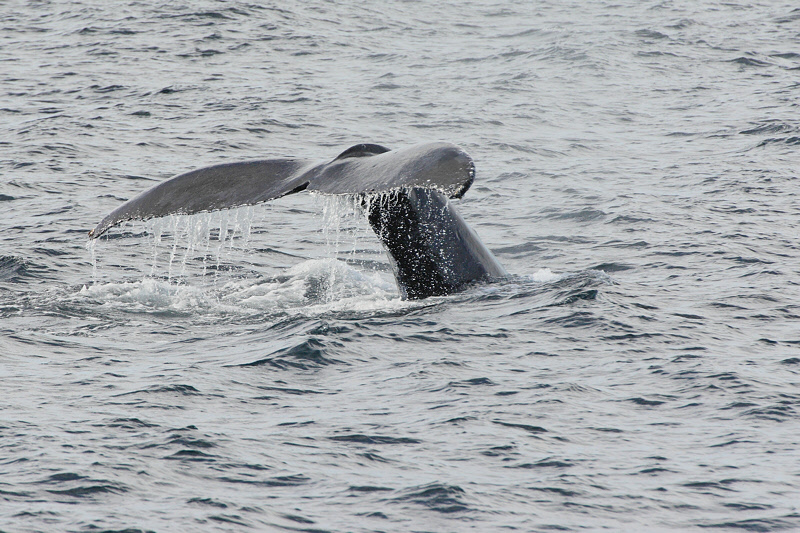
[91, 246]
[350, 269]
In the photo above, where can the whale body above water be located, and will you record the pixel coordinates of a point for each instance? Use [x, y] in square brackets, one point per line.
[432, 250]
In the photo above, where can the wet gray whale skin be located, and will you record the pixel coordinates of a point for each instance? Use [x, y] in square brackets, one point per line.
[432, 250]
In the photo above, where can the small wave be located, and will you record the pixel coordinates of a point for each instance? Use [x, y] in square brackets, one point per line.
[170, 89]
[63, 476]
[627, 219]
[645, 402]
[88, 491]
[787, 523]
[230, 519]
[560, 492]
[183, 390]
[437, 497]
[651, 34]
[107, 88]
[204, 15]
[293, 392]
[792, 141]
[15, 269]
[582, 215]
[128, 423]
[775, 413]
[769, 127]
[681, 24]
[374, 439]
[544, 463]
[207, 501]
[519, 250]
[309, 354]
[574, 288]
[793, 15]
[524, 427]
[612, 267]
[656, 53]
[11, 268]
[470, 383]
[190, 455]
[786, 55]
[552, 290]
[750, 62]
[368, 488]
[278, 481]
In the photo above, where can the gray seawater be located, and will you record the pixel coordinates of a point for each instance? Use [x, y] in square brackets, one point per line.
[256, 370]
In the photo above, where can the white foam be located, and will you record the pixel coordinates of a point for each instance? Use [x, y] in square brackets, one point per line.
[545, 275]
[183, 246]
[311, 287]
[313, 282]
[150, 293]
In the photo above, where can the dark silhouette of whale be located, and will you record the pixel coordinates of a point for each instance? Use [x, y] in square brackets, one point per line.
[405, 194]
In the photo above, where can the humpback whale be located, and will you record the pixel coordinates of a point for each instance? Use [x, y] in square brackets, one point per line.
[404, 193]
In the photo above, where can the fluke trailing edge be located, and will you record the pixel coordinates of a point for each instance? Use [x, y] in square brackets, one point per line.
[432, 249]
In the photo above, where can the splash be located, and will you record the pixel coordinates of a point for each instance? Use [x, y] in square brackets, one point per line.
[545, 275]
[317, 284]
[149, 294]
[347, 234]
[312, 287]
[205, 261]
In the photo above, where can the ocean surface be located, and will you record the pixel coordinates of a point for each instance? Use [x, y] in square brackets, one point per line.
[256, 369]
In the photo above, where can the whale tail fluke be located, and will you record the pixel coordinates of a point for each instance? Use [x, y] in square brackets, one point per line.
[361, 169]
[431, 248]
[212, 188]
